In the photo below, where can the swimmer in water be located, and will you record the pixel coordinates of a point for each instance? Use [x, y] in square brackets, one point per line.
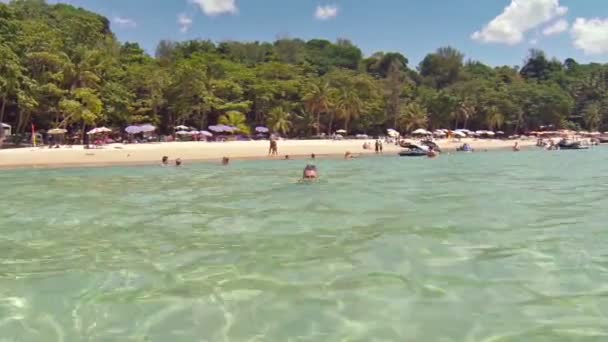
[165, 161]
[310, 173]
[225, 161]
[178, 162]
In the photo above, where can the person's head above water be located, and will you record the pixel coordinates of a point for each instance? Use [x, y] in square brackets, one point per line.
[178, 162]
[310, 172]
[165, 160]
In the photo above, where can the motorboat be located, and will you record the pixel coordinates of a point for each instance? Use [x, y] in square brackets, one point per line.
[431, 144]
[413, 150]
[571, 145]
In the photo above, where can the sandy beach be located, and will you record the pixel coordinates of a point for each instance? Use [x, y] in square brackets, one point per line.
[134, 154]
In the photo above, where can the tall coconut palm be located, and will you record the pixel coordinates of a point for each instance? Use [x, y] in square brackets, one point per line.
[349, 106]
[279, 121]
[318, 101]
[235, 119]
[592, 116]
[413, 116]
[494, 118]
[464, 110]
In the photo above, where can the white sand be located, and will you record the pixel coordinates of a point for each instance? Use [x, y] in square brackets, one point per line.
[118, 154]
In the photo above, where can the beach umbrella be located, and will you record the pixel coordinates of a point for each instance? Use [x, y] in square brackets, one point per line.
[133, 129]
[182, 127]
[421, 131]
[500, 133]
[99, 130]
[182, 132]
[228, 129]
[261, 129]
[147, 128]
[206, 133]
[341, 131]
[55, 131]
[460, 134]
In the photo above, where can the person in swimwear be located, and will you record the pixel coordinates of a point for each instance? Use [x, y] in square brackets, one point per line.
[310, 173]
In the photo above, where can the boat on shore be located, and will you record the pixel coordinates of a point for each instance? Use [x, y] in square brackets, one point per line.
[413, 150]
[571, 145]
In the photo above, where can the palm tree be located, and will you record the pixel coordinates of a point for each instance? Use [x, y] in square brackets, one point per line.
[279, 121]
[349, 106]
[413, 116]
[464, 111]
[235, 119]
[494, 118]
[317, 101]
[592, 116]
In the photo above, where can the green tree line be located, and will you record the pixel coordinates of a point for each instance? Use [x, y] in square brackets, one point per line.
[62, 66]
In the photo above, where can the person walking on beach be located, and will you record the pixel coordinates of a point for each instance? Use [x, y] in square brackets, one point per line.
[377, 146]
[273, 150]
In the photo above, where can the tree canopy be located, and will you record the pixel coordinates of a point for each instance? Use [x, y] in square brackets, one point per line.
[62, 66]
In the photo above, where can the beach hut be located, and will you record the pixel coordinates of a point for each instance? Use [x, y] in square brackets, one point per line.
[7, 129]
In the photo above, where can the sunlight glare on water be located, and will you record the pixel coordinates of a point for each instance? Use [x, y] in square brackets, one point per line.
[494, 246]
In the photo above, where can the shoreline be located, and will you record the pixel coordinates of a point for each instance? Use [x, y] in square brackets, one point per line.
[200, 152]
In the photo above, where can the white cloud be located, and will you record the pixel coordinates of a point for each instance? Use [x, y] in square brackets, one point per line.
[556, 28]
[326, 12]
[184, 22]
[217, 7]
[533, 41]
[518, 18]
[124, 22]
[591, 35]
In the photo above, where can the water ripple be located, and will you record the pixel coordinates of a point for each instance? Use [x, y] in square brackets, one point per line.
[473, 247]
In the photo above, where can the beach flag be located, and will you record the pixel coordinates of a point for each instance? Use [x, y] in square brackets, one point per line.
[33, 135]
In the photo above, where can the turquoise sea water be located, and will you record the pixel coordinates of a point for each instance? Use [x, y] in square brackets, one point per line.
[495, 246]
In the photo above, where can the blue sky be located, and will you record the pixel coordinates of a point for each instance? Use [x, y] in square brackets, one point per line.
[496, 32]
